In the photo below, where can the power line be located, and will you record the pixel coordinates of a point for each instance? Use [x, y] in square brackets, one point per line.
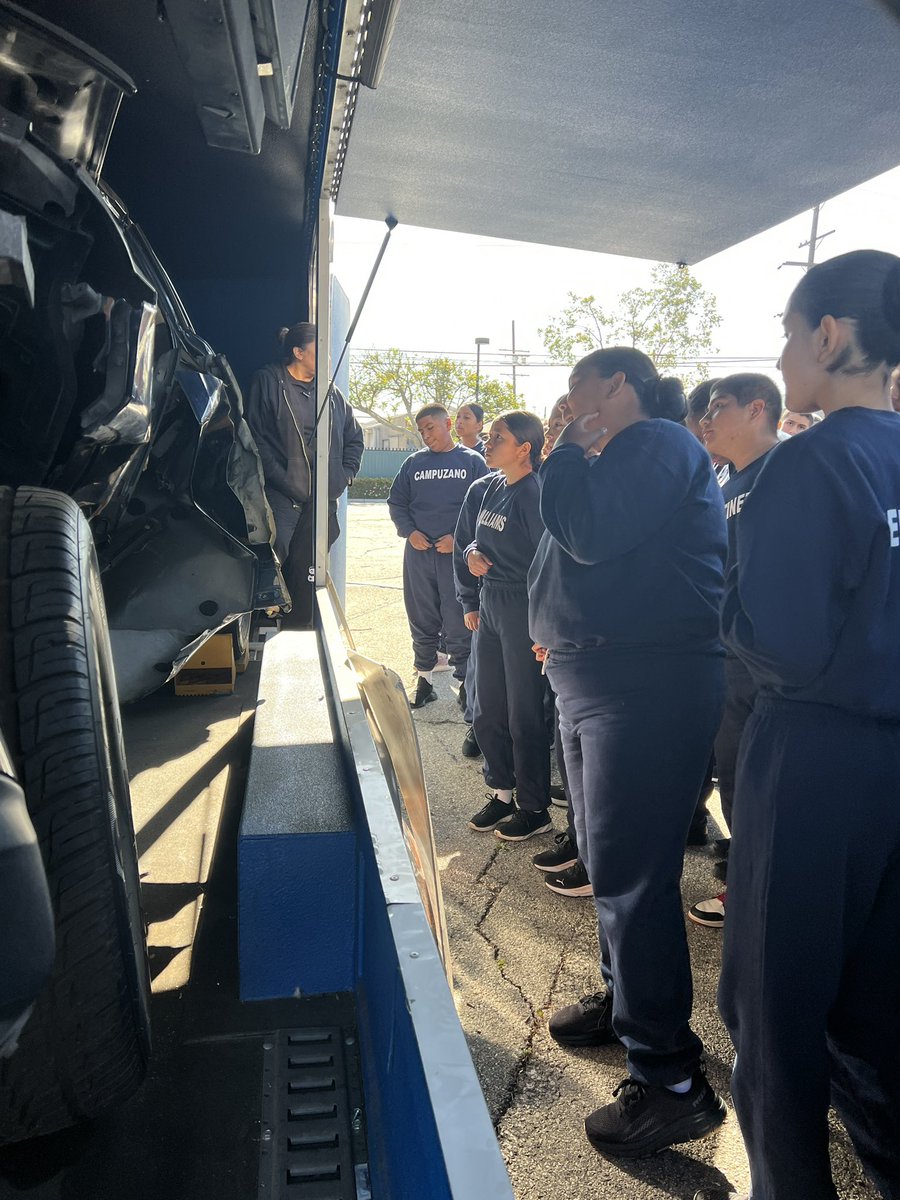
[536, 360]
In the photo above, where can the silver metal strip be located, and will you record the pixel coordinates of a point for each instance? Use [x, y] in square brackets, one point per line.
[323, 375]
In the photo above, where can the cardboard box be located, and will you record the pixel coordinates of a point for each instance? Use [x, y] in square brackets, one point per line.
[210, 671]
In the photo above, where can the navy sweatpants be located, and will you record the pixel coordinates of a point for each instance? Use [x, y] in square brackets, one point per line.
[810, 987]
[429, 593]
[740, 695]
[510, 719]
[636, 736]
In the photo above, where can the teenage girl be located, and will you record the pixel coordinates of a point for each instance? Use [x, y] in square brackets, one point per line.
[625, 591]
[498, 531]
[469, 427]
[811, 973]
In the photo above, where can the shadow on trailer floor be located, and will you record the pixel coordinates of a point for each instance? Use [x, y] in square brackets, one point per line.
[193, 1130]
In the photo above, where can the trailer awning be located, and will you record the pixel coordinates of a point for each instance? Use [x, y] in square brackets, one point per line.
[646, 128]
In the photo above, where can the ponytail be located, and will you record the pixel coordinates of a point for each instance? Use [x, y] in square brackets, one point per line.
[862, 286]
[300, 336]
[659, 397]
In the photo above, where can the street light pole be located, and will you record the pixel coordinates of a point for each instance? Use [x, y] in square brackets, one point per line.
[479, 342]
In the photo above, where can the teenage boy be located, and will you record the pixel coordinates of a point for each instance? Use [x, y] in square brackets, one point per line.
[741, 425]
[424, 504]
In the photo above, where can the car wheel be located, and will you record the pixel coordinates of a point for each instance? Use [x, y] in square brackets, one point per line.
[240, 640]
[86, 1044]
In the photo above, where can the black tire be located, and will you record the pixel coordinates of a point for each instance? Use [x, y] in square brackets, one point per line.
[240, 641]
[86, 1045]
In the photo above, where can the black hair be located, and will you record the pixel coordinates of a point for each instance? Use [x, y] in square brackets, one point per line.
[299, 335]
[698, 399]
[525, 427]
[659, 396]
[746, 387]
[863, 287]
[431, 410]
[476, 410]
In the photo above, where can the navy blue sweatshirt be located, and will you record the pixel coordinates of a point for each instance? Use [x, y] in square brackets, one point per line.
[504, 522]
[735, 490]
[429, 489]
[635, 545]
[813, 603]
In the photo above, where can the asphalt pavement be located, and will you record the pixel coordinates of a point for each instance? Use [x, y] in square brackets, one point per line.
[520, 952]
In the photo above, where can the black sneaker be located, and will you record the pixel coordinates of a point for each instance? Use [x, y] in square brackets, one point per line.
[561, 856]
[489, 817]
[571, 882]
[425, 693]
[461, 697]
[643, 1120]
[523, 825]
[470, 747]
[722, 846]
[720, 870]
[558, 795]
[587, 1023]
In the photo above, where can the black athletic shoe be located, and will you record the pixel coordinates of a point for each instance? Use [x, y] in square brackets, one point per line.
[571, 882]
[643, 1120]
[720, 870]
[461, 697]
[425, 693]
[523, 825]
[561, 856]
[587, 1023]
[558, 795]
[470, 747]
[722, 846]
[491, 815]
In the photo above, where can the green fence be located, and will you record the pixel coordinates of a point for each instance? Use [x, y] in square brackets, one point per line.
[382, 464]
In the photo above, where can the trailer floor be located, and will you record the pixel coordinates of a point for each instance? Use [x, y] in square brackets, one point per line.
[193, 1130]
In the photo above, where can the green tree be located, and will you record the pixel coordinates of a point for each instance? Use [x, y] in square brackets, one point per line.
[393, 385]
[672, 321]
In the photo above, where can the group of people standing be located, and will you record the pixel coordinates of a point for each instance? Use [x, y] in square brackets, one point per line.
[678, 605]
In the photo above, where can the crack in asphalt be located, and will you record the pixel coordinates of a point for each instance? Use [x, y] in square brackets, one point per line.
[492, 858]
[514, 1086]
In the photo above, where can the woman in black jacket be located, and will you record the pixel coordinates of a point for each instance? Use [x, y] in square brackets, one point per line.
[281, 412]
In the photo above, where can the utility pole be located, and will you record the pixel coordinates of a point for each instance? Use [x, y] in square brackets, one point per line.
[813, 244]
[479, 342]
[517, 358]
[514, 360]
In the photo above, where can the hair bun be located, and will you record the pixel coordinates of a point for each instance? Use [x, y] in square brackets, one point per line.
[892, 297]
[669, 398]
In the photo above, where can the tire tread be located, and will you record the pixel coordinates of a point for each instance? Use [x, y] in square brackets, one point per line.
[81, 1051]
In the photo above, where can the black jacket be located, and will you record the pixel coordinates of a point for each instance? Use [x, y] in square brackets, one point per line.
[285, 456]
